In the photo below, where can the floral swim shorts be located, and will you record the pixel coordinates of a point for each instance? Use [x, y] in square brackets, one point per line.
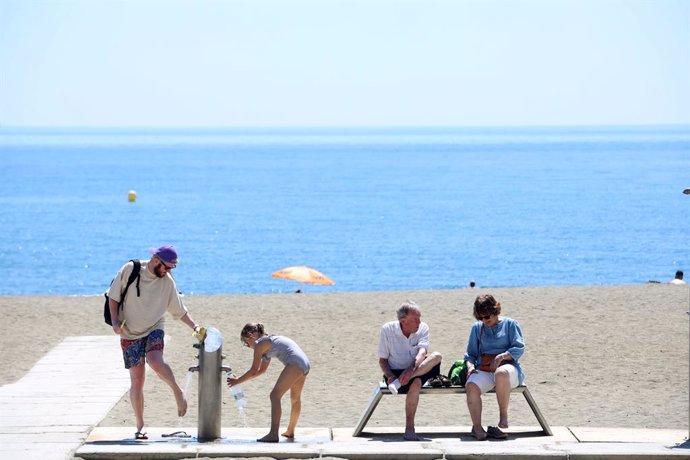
[134, 351]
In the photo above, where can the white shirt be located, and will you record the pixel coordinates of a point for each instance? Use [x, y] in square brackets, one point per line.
[400, 351]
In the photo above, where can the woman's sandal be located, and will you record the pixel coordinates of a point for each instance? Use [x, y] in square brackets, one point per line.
[139, 435]
[444, 381]
[496, 433]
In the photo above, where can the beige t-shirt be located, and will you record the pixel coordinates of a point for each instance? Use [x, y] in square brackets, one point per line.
[146, 313]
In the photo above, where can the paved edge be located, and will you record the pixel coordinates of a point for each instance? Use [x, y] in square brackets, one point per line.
[439, 442]
[49, 412]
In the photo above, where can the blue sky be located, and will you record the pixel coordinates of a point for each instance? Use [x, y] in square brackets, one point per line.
[344, 63]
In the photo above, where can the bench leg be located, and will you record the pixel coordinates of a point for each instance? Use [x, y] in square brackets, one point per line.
[533, 405]
[366, 415]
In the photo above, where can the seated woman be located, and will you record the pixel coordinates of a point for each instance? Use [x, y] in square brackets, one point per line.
[493, 351]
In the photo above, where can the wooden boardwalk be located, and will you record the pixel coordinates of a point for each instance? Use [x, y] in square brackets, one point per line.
[49, 412]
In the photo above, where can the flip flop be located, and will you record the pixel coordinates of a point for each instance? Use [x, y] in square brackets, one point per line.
[140, 435]
[444, 381]
[496, 433]
[176, 434]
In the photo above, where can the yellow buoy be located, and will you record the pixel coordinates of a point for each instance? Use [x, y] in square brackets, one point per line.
[132, 196]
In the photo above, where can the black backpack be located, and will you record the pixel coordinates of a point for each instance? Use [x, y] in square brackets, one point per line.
[132, 276]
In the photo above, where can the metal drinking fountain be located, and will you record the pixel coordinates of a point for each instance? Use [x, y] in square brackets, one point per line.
[210, 371]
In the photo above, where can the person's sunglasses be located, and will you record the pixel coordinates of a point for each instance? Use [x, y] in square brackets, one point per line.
[485, 317]
[164, 265]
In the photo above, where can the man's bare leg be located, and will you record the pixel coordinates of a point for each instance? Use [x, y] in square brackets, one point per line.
[411, 410]
[431, 360]
[137, 376]
[155, 360]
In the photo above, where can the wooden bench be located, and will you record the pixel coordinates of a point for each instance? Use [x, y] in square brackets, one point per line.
[382, 389]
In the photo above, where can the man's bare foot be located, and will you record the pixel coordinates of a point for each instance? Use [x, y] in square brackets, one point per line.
[288, 434]
[503, 422]
[268, 438]
[181, 404]
[410, 435]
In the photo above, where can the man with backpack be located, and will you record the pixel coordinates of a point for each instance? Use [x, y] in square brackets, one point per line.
[137, 310]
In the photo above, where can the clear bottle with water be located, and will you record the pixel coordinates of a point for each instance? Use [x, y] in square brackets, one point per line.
[238, 396]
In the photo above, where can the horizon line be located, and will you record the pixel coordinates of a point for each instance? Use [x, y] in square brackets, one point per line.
[332, 127]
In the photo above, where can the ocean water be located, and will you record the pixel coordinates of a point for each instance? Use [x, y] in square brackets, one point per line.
[374, 209]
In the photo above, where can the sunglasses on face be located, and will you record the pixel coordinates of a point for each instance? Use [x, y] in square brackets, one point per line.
[167, 267]
[485, 317]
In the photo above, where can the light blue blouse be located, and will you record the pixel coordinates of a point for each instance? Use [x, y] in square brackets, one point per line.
[504, 336]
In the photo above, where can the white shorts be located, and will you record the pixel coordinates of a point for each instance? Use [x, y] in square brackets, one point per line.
[486, 381]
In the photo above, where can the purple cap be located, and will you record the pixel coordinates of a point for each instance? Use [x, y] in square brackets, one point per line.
[166, 253]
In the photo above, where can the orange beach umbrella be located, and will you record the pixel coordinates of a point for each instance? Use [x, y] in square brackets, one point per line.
[303, 274]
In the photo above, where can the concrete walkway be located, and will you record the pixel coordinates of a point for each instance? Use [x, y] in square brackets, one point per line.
[49, 412]
[439, 443]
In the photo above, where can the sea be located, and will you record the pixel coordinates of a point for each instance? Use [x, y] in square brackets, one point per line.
[373, 208]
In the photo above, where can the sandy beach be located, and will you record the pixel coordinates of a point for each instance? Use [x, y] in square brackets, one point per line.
[611, 356]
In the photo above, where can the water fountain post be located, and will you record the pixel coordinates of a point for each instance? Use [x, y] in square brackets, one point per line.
[210, 371]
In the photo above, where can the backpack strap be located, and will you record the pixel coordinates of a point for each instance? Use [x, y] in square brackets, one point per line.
[132, 276]
[137, 269]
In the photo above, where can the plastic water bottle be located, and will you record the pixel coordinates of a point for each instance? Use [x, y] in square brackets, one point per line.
[394, 386]
[238, 396]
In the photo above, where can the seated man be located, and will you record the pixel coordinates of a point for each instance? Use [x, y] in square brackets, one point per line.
[404, 360]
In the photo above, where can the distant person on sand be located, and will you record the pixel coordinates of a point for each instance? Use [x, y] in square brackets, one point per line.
[404, 360]
[140, 325]
[291, 378]
[494, 348]
[678, 279]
